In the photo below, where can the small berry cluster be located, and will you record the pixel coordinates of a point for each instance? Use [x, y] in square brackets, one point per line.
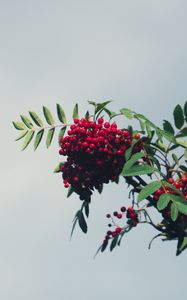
[132, 220]
[95, 155]
[181, 185]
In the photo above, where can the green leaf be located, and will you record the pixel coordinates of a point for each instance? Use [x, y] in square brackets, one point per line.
[127, 113]
[50, 136]
[36, 118]
[61, 114]
[182, 143]
[100, 188]
[163, 201]
[110, 113]
[148, 129]
[28, 139]
[185, 153]
[82, 222]
[174, 212]
[182, 132]
[138, 170]
[58, 168]
[38, 138]
[185, 110]
[19, 125]
[159, 134]
[182, 207]
[183, 168]
[134, 158]
[175, 158]
[76, 111]
[168, 136]
[21, 135]
[142, 125]
[182, 245]
[87, 114]
[168, 127]
[86, 208]
[104, 245]
[149, 190]
[181, 203]
[128, 152]
[26, 121]
[92, 103]
[70, 191]
[178, 116]
[48, 116]
[101, 106]
[114, 242]
[142, 117]
[74, 224]
[162, 146]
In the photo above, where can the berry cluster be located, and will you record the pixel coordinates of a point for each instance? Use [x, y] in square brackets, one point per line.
[181, 185]
[95, 155]
[132, 220]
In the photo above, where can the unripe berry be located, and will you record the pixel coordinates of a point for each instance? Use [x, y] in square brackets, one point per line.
[136, 136]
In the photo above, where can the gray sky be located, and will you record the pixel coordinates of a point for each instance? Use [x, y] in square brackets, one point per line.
[133, 52]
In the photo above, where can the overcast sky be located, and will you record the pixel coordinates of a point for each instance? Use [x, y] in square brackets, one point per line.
[132, 52]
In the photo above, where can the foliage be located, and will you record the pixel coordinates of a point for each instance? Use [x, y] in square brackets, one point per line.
[152, 160]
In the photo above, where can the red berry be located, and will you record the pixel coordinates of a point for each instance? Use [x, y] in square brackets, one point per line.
[107, 125]
[118, 230]
[184, 179]
[76, 121]
[100, 121]
[119, 216]
[171, 180]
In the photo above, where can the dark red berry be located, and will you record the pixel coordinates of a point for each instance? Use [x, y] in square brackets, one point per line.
[123, 209]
